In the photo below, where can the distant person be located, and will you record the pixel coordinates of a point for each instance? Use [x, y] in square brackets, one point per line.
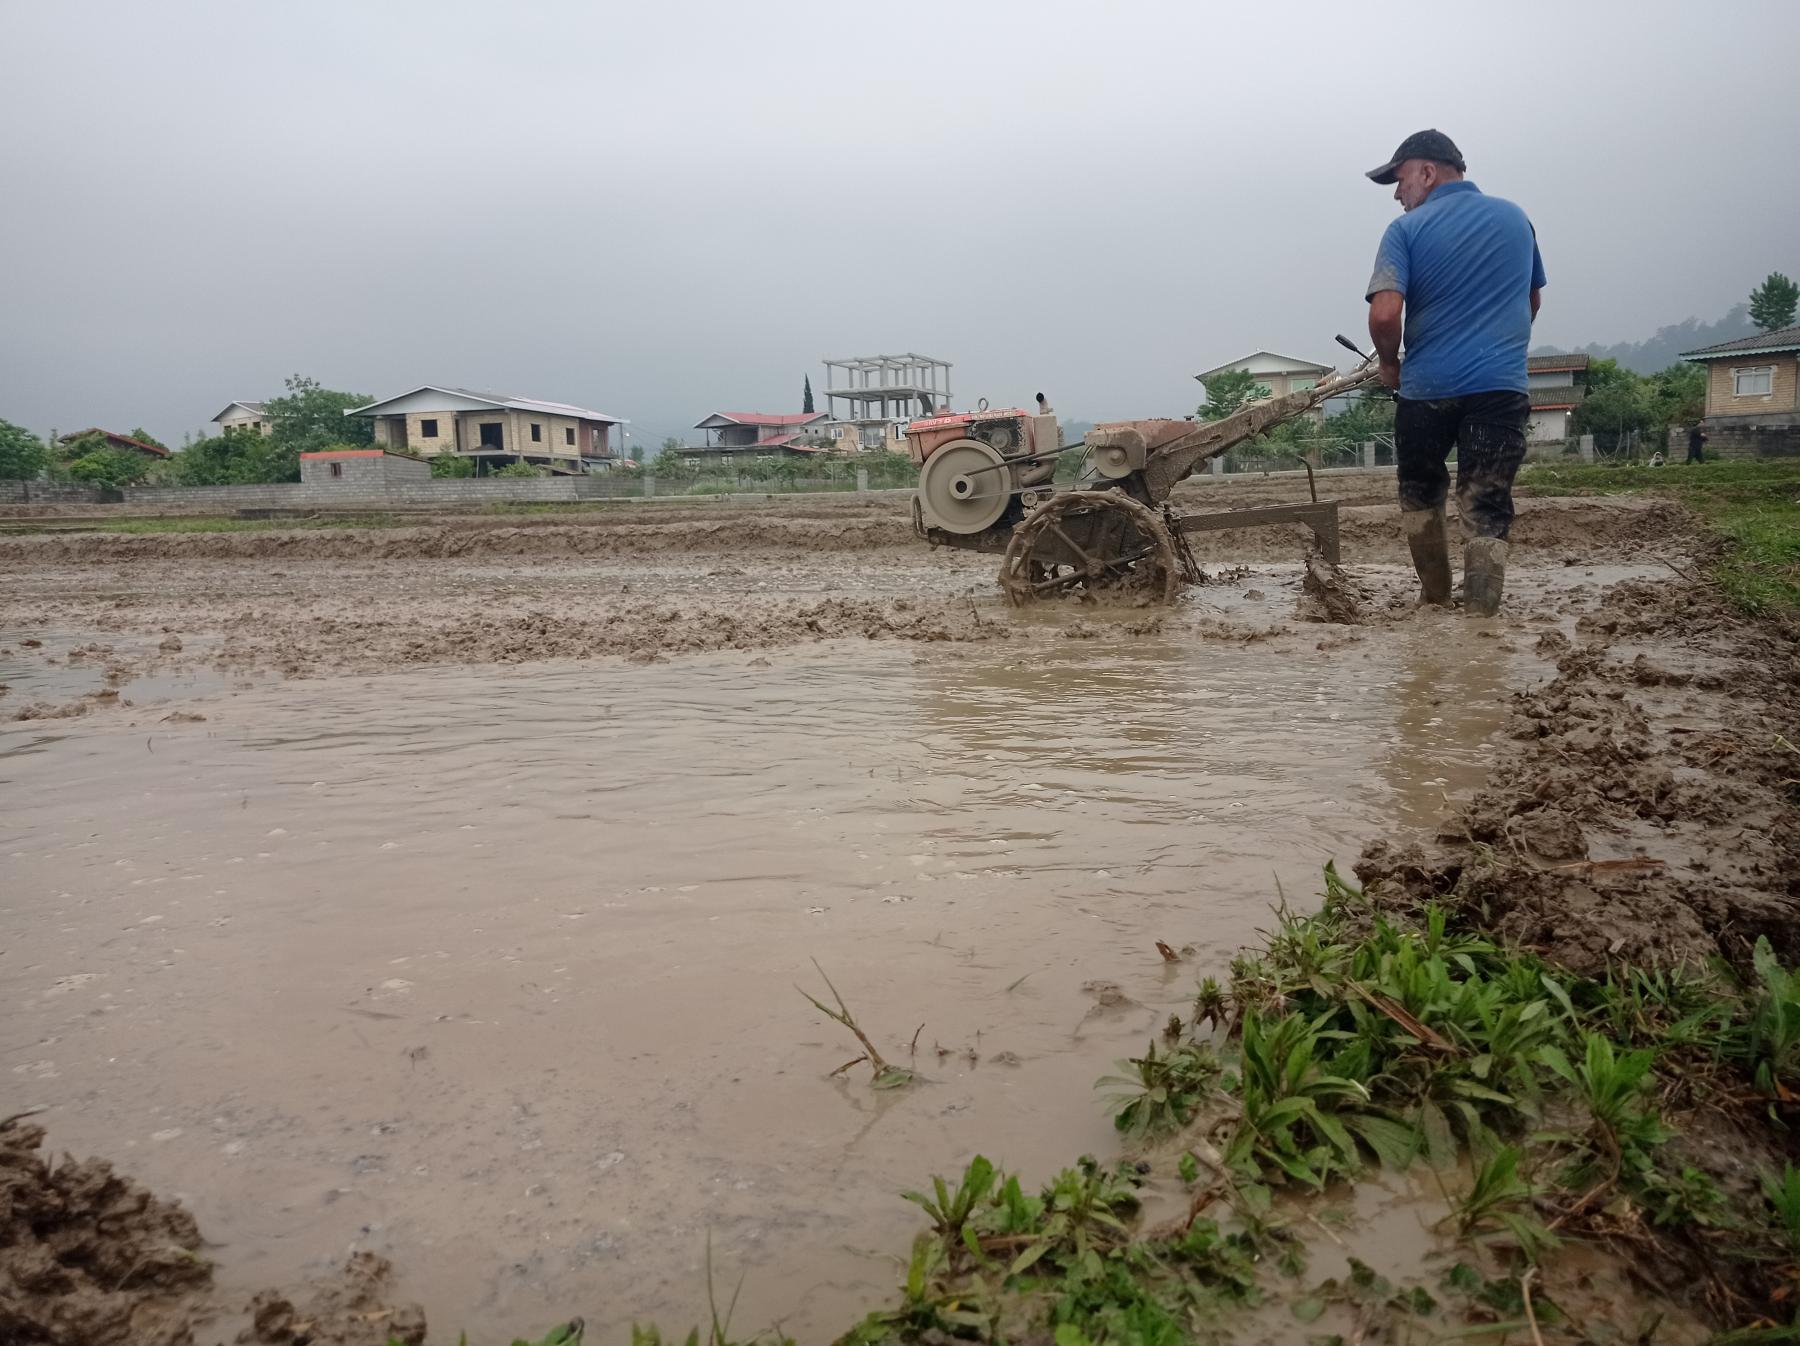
[1459, 276]
[1697, 445]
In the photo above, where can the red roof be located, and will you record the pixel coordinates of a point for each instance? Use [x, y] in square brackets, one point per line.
[120, 441]
[766, 418]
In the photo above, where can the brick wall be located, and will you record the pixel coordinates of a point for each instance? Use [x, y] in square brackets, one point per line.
[1784, 385]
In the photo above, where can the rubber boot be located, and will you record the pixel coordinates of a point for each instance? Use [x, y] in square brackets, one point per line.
[1430, 547]
[1484, 576]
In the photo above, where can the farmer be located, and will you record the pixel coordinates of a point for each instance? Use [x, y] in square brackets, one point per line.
[1458, 275]
[1697, 445]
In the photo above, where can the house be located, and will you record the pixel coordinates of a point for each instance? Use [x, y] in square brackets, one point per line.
[1556, 385]
[494, 430]
[735, 436]
[1752, 394]
[243, 416]
[357, 468]
[1276, 375]
[119, 442]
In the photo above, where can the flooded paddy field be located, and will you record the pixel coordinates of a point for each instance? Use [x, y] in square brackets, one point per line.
[446, 898]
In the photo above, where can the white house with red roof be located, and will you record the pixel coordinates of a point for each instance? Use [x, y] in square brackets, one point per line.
[737, 435]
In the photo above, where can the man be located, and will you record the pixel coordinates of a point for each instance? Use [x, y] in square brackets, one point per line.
[1458, 274]
[1697, 445]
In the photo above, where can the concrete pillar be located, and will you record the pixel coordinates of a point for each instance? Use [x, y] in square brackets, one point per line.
[1216, 465]
[1368, 453]
[862, 480]
[1587, 448]
[649, 485]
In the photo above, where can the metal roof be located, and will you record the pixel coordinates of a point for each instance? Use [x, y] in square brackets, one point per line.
[1540, 364]
[255, 408]
[719, 418]
[119, 441]
[1294, 366]
[496, 400]
[1781, 339]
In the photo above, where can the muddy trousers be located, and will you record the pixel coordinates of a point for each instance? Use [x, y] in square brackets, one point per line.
[1487, 430]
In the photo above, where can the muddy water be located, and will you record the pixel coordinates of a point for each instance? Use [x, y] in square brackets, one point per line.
[492, 970]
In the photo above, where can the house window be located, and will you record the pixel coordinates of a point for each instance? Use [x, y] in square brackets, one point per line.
[337, 469]
[428, 429]
[537, 433]
[568, 434]
[1757, 382]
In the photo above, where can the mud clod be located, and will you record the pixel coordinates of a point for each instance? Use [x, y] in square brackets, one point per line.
[89, 1258]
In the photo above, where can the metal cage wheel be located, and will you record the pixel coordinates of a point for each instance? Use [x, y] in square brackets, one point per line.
[1088, 543]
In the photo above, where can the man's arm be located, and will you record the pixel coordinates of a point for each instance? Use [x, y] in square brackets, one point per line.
[1385, 326]
[1537, 300]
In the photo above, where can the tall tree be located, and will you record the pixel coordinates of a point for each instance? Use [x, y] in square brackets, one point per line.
[143, 436]
[1228, 391]
[22, 454]
[806, 403]
[310, 418]
[1773, 302]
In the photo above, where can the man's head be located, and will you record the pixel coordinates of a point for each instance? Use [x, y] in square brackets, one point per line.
[1424, 160]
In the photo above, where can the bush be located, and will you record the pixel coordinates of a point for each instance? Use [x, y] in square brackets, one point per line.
[519, 470]
[111, 468]
[450, 465]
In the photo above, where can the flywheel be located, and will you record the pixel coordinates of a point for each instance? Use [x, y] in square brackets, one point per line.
[964, 486]
[1090, 543]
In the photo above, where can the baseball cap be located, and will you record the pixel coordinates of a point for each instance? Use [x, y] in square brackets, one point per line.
[1419, 145]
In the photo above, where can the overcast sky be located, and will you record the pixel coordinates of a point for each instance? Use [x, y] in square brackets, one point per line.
[665, 209]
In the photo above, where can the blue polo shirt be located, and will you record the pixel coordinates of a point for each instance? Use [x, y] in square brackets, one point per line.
[1467, 264]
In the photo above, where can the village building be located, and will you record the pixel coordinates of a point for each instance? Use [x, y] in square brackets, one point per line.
[113, 441]
[1752, 394]
[739, 436]
[494, 430]
[1276, 375]
[358, 469]
[1556, 386]
[243, 416]
[871, 399]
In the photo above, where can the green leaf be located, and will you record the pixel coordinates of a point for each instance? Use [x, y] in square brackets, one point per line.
[1189, 1167]
[1309, 1309]
[1029, 1257]
[1440, 1141]
[1394, 1143]
[1068, 1334]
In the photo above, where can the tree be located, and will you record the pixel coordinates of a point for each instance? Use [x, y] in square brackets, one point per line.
[1226, 392]
[309, 419]
[1617, 409]
[1773, 302]
[637, 453]
[1678, 394]
[143, 436]
[235, 457]
[806, 402]
[89, 458]
[22, 454]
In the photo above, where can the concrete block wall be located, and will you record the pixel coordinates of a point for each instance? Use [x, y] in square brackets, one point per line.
[46, 493]
[1765, 437]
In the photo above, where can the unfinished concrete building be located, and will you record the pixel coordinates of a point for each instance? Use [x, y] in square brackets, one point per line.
[870, 398]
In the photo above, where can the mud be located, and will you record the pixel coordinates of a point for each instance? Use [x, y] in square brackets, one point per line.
[88, 1257]
[1645, 813]
[471, 947]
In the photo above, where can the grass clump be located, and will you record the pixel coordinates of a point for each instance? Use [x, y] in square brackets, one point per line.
[1752, 504]
[1356, 1038]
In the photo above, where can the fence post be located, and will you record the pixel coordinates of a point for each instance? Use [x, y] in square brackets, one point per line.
[862, 480]
[1368, 453]
[1216, 466]
[1587, 448]
[649, 486]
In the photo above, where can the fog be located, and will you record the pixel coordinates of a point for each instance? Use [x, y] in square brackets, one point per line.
[666, 210]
